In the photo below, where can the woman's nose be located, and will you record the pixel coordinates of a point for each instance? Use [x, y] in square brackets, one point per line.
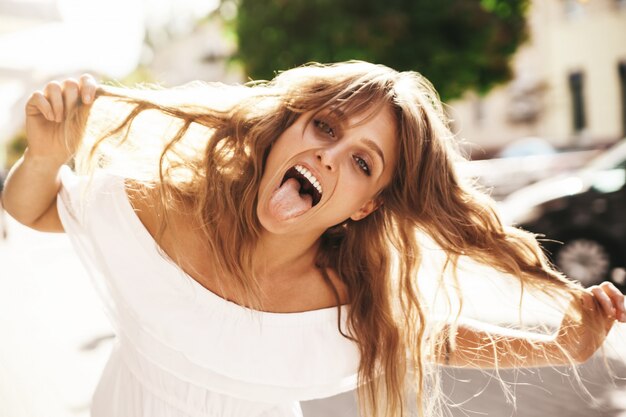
[325, 158]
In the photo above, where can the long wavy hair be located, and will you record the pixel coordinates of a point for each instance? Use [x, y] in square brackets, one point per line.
[208, 159]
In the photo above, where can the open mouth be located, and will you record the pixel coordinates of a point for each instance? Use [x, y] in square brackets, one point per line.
[308, 183]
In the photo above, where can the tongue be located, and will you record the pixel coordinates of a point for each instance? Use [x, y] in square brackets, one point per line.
[287, 202]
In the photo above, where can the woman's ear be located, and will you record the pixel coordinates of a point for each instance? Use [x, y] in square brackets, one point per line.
[367, 208]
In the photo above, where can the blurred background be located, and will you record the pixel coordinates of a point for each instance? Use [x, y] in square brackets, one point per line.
[535, 92]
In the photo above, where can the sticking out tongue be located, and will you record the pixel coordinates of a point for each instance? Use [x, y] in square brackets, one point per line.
[287, 202]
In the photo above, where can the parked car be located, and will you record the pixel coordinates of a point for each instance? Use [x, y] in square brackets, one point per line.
[583, 218]
[502, 176]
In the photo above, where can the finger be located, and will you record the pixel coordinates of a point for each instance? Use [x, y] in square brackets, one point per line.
[604, 300]
[617, 299]
[70, 95]
[88, 86]
[39, 104]
[588, 300]
[53, 92]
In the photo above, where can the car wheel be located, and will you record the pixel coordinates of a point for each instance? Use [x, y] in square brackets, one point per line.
[585, 259]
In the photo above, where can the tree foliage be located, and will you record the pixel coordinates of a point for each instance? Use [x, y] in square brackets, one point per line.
[457, 44]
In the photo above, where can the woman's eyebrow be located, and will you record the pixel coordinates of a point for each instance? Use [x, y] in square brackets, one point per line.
[374, 146]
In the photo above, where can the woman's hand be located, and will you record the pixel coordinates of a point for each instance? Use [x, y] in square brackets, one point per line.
[53, 132]
[581, 335]
[47, 113]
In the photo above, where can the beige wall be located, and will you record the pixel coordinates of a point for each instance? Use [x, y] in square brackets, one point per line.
[566, 36]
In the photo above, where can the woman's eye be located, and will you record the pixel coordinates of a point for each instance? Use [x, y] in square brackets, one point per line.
[363, 166]
[324, 128]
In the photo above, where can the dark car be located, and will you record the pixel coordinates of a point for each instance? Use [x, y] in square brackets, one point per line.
[583, 218]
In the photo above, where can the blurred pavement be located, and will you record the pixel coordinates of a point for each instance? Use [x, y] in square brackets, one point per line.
[49, 320]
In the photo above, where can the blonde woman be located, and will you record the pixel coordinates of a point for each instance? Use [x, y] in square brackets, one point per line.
[268, 251]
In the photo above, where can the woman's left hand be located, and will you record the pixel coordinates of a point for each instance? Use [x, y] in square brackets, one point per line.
[582, 334]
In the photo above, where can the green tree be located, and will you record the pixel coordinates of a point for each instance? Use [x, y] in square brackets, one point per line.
[457, 44]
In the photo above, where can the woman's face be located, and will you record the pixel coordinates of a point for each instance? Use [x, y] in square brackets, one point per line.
[326, 168]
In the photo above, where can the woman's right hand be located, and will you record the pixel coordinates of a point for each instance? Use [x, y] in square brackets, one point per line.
[584, 329]
[49, 111]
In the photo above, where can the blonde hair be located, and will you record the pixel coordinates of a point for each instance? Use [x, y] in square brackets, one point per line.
[212, 157]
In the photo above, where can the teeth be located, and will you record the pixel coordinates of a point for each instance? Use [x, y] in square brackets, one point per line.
[309, 176]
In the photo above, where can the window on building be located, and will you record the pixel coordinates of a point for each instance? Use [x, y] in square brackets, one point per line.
[576, 84]
[621, 69]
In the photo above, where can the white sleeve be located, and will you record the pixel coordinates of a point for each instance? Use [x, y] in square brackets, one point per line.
[80, 199]
[68, 201]
[81, 203]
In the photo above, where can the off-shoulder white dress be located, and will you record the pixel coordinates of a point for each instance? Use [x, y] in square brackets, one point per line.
[181, 350]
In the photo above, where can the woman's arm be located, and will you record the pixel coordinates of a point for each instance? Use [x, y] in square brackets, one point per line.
[480, 345]
[32, 185]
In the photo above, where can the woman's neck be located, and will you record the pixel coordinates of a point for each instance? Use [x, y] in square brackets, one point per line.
[280, 256]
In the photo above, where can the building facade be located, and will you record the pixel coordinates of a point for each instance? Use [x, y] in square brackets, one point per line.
[569, 85]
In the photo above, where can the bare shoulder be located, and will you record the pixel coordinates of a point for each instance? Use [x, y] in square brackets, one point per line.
[171, 227]
[338, 283]
[146, 202]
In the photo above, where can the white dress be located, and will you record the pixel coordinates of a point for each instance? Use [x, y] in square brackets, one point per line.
[181, 350]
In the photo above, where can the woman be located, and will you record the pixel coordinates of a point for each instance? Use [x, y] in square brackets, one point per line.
[272, 254]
